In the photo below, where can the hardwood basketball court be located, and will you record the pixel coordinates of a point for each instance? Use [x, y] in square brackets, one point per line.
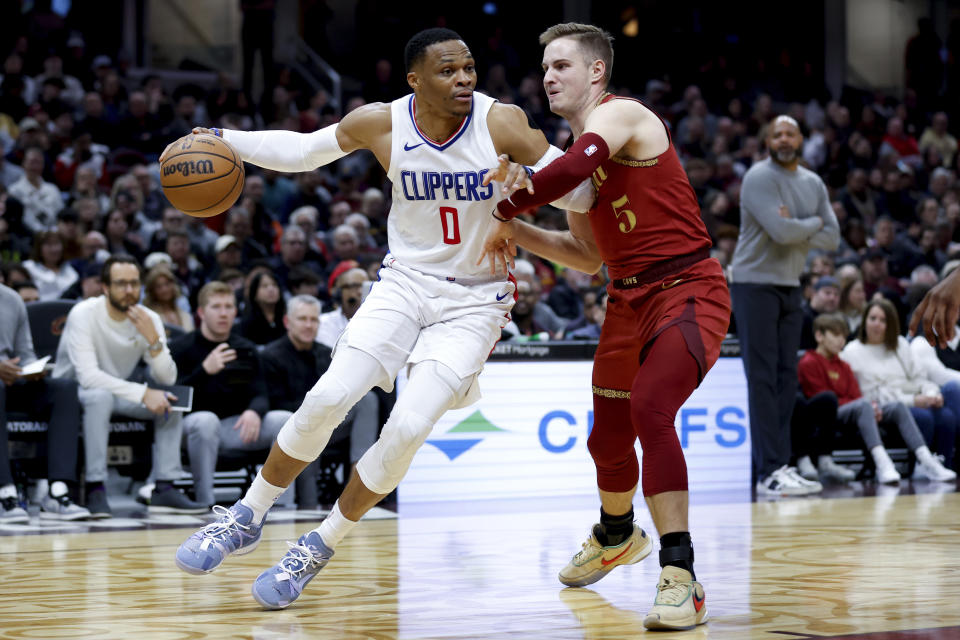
[854, 567]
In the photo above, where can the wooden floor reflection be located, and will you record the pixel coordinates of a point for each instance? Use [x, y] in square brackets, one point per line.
[792, 568]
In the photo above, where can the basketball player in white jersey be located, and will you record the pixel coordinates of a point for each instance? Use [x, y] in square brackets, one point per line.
[433, 309]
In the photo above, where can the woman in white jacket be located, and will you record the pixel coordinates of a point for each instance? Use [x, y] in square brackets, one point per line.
[930, 363]
[50, 272]
[887, 372]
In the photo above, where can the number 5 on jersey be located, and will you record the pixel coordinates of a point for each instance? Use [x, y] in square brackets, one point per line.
[625, 217]
[451, 225]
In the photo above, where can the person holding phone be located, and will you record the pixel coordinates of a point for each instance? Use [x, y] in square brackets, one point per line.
[41, 396]
[231, 406]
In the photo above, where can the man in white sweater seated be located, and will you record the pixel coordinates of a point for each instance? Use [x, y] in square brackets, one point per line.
[103, 340]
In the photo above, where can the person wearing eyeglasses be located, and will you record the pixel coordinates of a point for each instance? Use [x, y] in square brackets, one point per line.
[104, 339]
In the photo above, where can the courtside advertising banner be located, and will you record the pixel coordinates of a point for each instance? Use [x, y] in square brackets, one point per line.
[527, 436]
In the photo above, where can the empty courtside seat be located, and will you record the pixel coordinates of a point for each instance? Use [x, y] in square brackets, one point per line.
[46, 320]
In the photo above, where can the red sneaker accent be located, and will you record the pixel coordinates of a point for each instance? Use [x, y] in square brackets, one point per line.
[605, 562]
[698, 602]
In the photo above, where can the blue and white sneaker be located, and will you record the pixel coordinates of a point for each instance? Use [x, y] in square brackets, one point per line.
[280, 585]
[235, 532]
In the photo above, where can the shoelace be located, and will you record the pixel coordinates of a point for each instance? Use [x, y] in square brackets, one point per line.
[63, 501]
[225, 527]
[799, 478]
[586, 550]
[791, 474]
[671, 592]
[298, 559]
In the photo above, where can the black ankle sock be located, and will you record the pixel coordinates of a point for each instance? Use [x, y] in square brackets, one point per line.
[676, 550]
[95, 486]
[162, 485]
[615, 529]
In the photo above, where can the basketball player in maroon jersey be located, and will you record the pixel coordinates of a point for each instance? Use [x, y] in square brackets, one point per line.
[667, 313]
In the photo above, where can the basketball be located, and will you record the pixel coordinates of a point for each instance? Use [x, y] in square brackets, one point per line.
[202, 175]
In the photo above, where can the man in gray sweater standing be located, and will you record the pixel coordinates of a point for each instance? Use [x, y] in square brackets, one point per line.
[784, 212]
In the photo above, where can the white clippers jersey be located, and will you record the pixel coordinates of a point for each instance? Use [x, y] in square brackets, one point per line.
[441, 212]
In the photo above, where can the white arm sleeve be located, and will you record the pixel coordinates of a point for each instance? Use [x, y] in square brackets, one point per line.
[287, 151]
[581, 198]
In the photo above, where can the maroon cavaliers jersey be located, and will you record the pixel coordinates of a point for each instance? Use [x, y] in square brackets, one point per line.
[646, 212]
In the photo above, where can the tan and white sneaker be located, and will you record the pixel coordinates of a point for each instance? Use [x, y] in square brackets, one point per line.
[594, 560]
[680, 601]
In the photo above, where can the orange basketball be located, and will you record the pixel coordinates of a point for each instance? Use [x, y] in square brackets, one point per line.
[202, 175]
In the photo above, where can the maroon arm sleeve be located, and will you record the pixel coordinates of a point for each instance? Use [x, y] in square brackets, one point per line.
[559, 177]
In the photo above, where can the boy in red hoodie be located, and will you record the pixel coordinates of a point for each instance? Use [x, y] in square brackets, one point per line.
[826, 379]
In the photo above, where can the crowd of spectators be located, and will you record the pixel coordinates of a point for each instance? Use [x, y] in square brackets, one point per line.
[79, 181]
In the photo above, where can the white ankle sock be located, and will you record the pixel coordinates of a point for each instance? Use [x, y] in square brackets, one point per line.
[333, 529]
[880, 456]
[8, 491]
[923, 455]
[58, 488]
[260, 497]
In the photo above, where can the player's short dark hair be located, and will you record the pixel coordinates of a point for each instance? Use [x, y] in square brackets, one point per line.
[595, 42]
[118, 259]
[417, 45]
[832, 322]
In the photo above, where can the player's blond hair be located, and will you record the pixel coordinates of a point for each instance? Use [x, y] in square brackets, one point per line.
[595, 42]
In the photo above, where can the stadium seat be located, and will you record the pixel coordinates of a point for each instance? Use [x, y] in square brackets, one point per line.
[46, 320]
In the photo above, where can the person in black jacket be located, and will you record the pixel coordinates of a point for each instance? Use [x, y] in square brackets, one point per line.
[231, 406]
[295, 362]
[262, 320]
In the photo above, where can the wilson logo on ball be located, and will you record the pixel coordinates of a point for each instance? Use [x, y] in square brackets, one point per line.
[202, 175]
[189, 168]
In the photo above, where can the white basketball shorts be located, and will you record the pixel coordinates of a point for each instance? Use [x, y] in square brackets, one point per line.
[409, 317]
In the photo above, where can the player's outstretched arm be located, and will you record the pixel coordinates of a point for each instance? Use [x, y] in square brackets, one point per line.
[514, 176]
[291, 152]
[517, 138]
[574, 248]
[608, 128]
[515, 135]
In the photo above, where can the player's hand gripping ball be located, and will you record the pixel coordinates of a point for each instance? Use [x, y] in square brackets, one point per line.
[201, 175]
